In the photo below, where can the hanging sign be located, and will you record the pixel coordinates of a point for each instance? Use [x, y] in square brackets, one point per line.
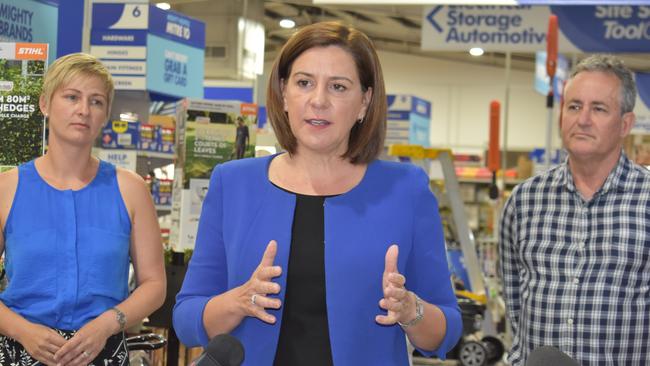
[602, 28]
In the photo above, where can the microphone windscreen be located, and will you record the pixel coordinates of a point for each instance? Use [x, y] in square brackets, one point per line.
[547, 355]
[226, 350]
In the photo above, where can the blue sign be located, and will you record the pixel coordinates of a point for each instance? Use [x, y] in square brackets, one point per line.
[119, 37]
[606, 28]
[409, 120]
[120, 16]
[601, 28]
[542, 79]
[176, 27]
[173, 68]
[29, 21]
[643, 87]
[244, 94]
[69, 38]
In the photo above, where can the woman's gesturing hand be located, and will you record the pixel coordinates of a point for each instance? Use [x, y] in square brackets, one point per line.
[253, 294]
[397, 301]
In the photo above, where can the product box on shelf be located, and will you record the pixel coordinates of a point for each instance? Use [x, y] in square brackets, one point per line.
[162, 191]
[167, 136]
[121, 135]
[149, 137]
[166, 132]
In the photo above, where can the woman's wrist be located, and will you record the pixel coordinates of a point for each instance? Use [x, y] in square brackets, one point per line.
[23, 326]
[110, 323]
[416, 311]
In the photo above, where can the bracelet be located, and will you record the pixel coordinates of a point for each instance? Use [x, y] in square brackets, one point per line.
[419, 313]
[120, 317]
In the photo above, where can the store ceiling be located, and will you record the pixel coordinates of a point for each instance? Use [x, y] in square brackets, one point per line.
[395, 28]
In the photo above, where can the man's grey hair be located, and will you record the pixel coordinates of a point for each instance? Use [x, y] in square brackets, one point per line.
[610, 64]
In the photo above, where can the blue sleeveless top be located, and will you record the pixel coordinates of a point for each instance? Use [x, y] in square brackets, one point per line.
[66, 252]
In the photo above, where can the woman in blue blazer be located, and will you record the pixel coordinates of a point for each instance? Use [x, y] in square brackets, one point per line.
[321, 255]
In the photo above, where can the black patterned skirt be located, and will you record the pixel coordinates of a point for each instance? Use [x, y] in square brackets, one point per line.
[114, 353]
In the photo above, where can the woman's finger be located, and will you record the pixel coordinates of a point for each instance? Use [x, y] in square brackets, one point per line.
[395, 293]
[266, 287]
[396, 279]
[259, 313]
[266, 273]
[266, 302]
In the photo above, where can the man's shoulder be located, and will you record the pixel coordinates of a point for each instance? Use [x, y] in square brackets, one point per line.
[638, 178]
[540, 182]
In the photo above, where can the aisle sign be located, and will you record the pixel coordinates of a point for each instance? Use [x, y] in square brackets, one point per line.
[177, 28]
[147, 48]
[120, 16]
[605, 28]
[408, 120]
[602, 28]
[126, 159]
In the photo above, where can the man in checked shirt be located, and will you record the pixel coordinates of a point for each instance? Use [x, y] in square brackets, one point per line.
[575, 241]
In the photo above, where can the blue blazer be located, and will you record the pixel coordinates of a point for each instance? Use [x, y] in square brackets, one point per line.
[392, 204]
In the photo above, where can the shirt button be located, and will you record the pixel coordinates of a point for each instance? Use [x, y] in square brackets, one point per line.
[569, 321]
[576, 281]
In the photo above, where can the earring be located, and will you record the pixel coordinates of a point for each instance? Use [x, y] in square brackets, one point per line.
[360, 120]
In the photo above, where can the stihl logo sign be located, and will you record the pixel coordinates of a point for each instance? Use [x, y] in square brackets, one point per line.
[31, 51]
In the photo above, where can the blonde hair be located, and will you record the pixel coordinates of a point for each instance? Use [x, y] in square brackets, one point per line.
[71, 66]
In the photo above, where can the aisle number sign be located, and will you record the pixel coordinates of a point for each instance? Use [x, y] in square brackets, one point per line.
[603, 28]
[147, 48]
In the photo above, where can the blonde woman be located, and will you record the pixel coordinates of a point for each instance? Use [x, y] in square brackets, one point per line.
[70, 224]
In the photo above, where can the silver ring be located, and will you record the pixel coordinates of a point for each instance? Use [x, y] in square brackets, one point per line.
[85, 354]
[253, 299]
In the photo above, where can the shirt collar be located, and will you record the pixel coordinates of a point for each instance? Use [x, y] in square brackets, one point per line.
[616, 179]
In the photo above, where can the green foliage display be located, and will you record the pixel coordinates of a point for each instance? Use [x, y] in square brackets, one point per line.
[21, 131]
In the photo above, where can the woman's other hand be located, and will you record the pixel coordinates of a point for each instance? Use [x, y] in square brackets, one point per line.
[397, 301]
[87, 343]
[252, 296]
[41, 342]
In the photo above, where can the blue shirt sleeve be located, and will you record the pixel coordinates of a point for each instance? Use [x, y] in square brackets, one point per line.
[427, 268]
[207, 274]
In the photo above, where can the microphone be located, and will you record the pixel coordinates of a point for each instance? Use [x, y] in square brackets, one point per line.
[547, 355]
[223, 350]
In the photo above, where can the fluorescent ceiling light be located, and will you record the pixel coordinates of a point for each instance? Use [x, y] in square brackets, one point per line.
[163, 6]
[476, 51]
[287, 23]
[418, 2]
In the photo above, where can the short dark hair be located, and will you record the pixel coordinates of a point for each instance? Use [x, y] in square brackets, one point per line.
[367, 138]
[610, 64]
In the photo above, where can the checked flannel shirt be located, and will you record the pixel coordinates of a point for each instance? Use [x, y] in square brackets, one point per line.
[576, 273]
